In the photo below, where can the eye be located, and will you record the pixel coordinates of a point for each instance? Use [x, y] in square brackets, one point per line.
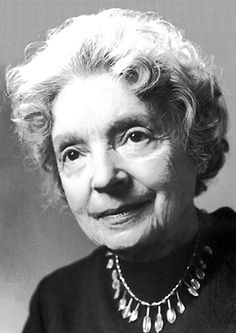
[138, 142]
[137, 136]
[71, 155]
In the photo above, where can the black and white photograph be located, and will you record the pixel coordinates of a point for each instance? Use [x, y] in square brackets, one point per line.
[117, 166]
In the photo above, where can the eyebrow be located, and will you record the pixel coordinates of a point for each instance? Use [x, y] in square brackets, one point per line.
[61, 141]
[128, 122]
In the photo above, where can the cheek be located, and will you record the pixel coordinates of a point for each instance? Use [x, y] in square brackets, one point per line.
[153, 171]
[89, 227]
[77, 192]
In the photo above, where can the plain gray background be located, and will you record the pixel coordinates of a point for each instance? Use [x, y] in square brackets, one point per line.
[33, 242]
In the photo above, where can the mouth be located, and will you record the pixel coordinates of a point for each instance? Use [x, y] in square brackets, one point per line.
[122, 213]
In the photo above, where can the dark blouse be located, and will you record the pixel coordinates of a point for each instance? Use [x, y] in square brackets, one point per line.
[79, 298]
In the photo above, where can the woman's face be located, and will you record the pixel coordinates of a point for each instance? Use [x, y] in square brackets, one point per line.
[126, 186]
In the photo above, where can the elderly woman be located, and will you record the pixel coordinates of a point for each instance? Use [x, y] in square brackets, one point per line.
[129, 123]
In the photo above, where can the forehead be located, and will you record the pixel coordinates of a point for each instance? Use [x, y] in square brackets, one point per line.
[93, 104]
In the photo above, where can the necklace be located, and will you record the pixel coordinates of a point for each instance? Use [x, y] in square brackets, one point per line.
[131, 306]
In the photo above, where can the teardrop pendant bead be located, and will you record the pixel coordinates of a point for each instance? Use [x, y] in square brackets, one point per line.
[159, 321]
[147, 324]
[117, 293]
[122, 303]
[200, 274]
[195, 284]
[114, 274]
[180, 307]
[116, 284]
[126, 312]
[110, 263]
[134, 314]
[192, 291]
[170, 314]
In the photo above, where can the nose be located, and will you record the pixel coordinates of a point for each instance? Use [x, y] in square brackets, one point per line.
[107, 176]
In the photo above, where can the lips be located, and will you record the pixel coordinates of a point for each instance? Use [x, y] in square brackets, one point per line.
[122, 211]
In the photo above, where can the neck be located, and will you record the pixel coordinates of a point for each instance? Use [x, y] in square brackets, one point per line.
[180, 232]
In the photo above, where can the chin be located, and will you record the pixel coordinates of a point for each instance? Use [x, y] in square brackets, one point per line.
[122, 243]
[130, 240]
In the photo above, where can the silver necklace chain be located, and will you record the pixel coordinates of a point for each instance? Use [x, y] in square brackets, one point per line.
[126, 297]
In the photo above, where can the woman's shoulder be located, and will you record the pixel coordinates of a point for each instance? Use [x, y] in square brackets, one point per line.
[77, 273]
[216, 307]
[226, 214]
[224, 221]
[67, 288]
[222, 233]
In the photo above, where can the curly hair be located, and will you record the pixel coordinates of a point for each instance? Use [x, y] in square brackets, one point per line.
[160, 66]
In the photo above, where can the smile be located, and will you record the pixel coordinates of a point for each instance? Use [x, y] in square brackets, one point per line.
[122, 214]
